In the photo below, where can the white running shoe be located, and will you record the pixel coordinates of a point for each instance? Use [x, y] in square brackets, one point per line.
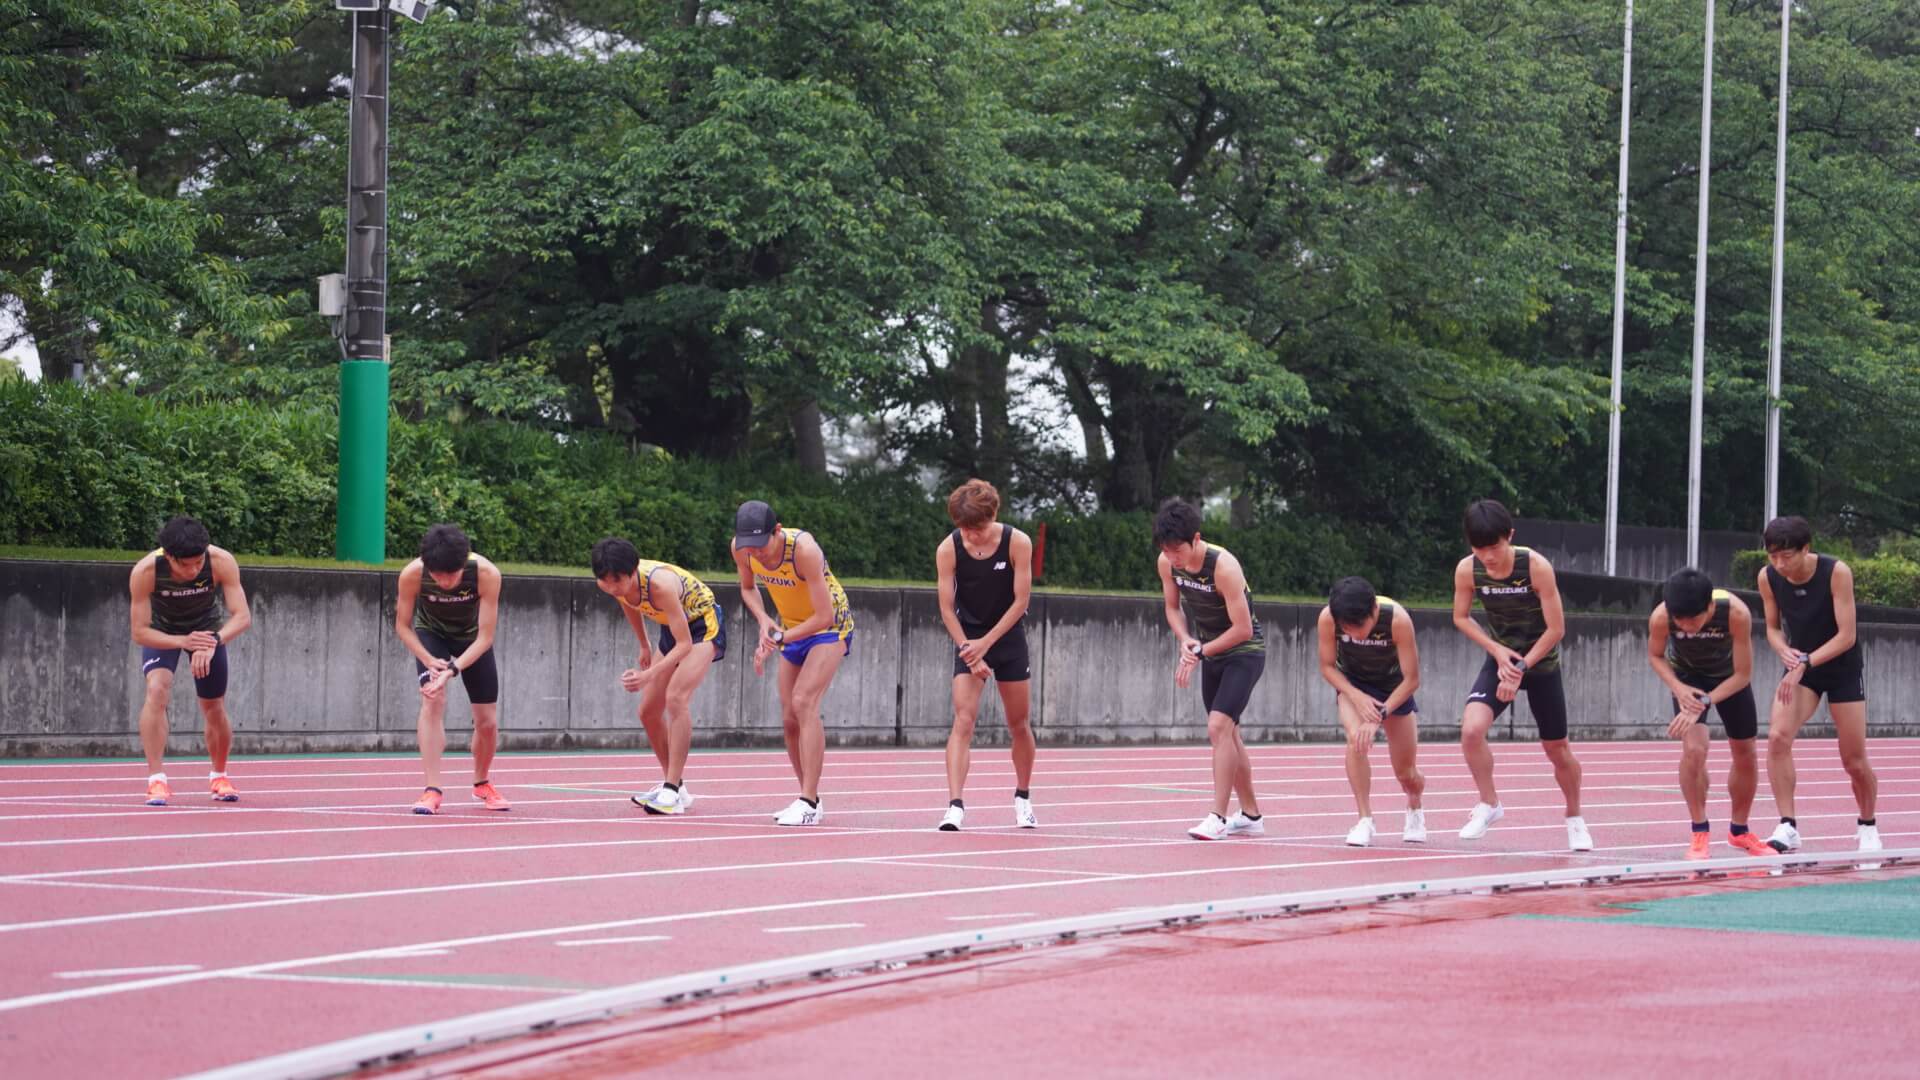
[1361, 835]
[1578, 838]
[953, 819]
[1023, 815]
[1869, 838]
[665, 800]
[1784, 839]
[799, 813]
[1242, 825]
[1213, 828]
[647, 796]
[1481, 820]
[1415, 830]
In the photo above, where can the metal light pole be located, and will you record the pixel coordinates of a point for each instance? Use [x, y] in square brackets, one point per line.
[1619, 301]
[1779, 275]
[1700, 304]
[361, 526]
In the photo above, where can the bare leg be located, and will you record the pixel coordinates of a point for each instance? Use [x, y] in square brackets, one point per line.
[806, 738]
[486, 738]
[219, 731]
[1743, 778]
[433, 736]
[1850, 723]
[966, 709]
[679, 705]
[1784, 726]
[1473, 746]
[1403, 746]
[1016, 698]
[153, 719]
[1566, 771]
[1359, 769]
[1694, 783]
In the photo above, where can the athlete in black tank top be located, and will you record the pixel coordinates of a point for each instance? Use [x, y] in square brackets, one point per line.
[986, 576]
[1811, 626]
[1368, 656]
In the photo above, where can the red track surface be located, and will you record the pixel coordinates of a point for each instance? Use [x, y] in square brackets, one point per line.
[273, 924]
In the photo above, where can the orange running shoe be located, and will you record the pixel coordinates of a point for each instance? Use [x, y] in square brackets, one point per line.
[223, 790]
[1701, 847]
[428, 802]
[158, 793]
[1751, 844]
[485, 793]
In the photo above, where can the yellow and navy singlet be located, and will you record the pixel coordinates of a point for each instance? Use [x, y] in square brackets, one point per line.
[182, 607]
[454, 613]
[1374, 659]
[789, 590]
[1707, 653]
[1206, 609]
[1513, 607]
[696, 599]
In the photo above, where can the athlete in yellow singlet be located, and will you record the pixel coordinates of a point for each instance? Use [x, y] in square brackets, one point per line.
[813, 635]
[693, 637]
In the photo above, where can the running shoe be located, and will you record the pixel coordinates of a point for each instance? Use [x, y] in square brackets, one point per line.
[1700, 847]
[1750, 843]
[1481, 820]
[1784, 839]
[428, 802]
[1361, 835]
[223, 790]
[1415, 830]
[1869, 839]
[1213, 828]
[1023, 815]
[484, 791]
[158, 793]
[1242, 825]
[1578, 838]
[799, 813]
[664, 800]
[953, 819]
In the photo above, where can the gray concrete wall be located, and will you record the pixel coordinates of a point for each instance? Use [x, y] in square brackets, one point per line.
[1640, 551]
[321, 670]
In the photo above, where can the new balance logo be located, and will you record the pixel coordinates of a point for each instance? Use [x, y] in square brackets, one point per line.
[999, 566]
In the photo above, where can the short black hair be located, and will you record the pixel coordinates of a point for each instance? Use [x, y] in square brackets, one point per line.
[444, 548]
[1687, 593]
[1351, 601]
[1177, 522]
[1787, 534]
[184, 537]
[1487, 523]
[614, 557]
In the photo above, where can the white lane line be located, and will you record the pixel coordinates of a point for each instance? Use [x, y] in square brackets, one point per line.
[158, 981]
[989, 918]
[636, 939]
[364, 983]
[996, 869]
[158, 888]
[114, 973]
[810, 929]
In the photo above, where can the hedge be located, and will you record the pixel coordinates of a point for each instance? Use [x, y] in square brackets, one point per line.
[95, 468]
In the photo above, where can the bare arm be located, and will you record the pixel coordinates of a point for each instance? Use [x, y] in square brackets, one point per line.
[489, 588]
[639, 624]
[750, 592]
[1776, 633]
[226, 573]
[1547, 588]
[1409, 652]
[943, 566]
[1170, 593]
[406, 594]
[1463, 619]
[1844, 618]
[1232, 583]
[1740, 628]
[668, 600]
[1330, 654]
[1657, 634]
[140, 611]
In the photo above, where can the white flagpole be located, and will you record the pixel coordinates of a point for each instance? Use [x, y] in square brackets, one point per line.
[1700, 302]
[1779, 275]
[1619, 301]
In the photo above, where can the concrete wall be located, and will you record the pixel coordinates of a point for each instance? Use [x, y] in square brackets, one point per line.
[320, 670]
[1641, 551]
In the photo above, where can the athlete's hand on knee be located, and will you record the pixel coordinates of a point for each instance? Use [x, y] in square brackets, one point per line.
[1682, 722]
[1362, 736]
[202, 662]
[1787, 682]
[1368, 707]
[630, 680]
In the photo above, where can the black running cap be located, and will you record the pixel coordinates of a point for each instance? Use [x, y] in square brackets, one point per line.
[753, 523]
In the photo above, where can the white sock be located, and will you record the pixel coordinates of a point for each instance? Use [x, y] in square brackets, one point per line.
[157, 778]
[1576, 819]
[216, 776]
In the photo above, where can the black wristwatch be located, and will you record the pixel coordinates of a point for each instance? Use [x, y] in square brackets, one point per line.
[1703, 698]
[1195, 648]
[453, 670]
[1520, 662]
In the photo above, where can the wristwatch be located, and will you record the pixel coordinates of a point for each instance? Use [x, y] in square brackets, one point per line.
[1194, 647]
[778, 636]
[453, 669]
[1520, 663]
[1703, 698]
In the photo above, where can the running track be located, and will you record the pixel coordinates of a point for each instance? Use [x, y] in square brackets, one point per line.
[167, 941]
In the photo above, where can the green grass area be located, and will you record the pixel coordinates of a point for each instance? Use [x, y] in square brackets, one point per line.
[711, 576]
[1868, 909]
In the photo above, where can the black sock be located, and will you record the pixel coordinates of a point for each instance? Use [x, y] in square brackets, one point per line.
[815, 803]
[1703, 827]
[1868, 822]
[1789, 821]
[671, 786]
[1251, 817]
[1020, 793]
[956, 804]
[477, 783]
[1736, 829]
[435, 790]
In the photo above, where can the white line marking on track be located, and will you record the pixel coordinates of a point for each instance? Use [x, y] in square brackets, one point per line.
[411, 984]
[158, 888]
[114, 973]
[809, 929]
[636, 939]
[987, 918]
